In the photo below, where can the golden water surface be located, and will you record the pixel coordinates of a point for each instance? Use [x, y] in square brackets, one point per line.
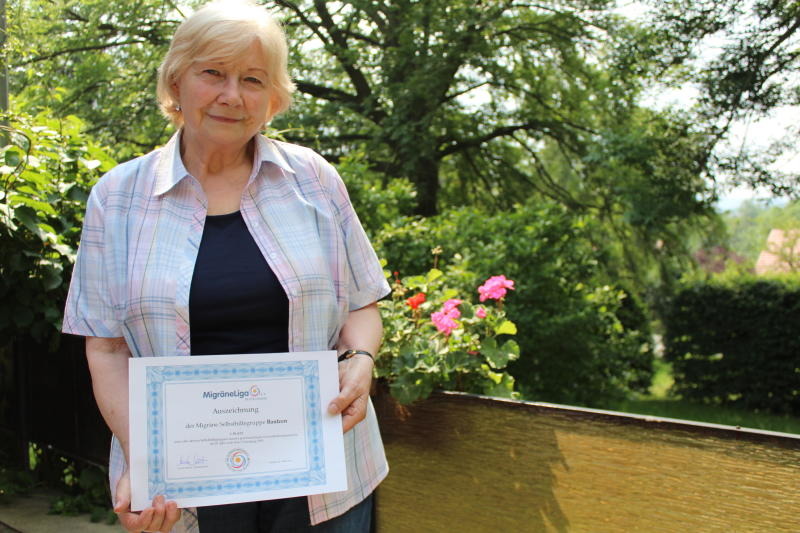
[469, 465]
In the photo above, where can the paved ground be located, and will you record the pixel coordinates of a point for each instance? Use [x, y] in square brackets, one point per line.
[29, 515]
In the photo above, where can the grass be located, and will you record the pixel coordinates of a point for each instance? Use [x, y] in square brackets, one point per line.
[660, 403]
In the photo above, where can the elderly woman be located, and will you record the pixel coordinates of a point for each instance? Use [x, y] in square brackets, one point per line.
[225, 241]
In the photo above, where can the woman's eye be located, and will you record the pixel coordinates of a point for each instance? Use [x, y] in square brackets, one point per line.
[251, 79]
[212, 72]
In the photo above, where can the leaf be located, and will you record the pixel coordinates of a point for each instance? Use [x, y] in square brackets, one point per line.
[91, 164]
[511, 348]
[28, 217]
[506, 328]
[434, 274]
[51, 277]
[501, 385]
[495, 357]
[36, 204]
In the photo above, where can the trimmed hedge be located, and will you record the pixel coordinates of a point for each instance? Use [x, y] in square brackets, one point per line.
[738, 343]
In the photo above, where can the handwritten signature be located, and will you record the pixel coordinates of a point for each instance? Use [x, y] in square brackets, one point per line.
[192, 460]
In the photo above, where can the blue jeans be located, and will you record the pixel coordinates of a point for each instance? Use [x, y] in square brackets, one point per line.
[289, 515]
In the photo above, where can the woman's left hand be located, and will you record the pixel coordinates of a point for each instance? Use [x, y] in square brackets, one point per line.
[355, 381]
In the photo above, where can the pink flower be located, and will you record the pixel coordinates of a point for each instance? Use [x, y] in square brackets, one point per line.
[450, 308]
[444, 322]
[495, 288]
[480, 312]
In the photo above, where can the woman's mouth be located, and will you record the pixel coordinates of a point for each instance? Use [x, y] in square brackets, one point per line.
[227, 120]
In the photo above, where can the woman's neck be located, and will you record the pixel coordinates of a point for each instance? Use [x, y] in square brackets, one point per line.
[206, 161]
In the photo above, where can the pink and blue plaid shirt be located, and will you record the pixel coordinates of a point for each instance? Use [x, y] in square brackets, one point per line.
[141, 234]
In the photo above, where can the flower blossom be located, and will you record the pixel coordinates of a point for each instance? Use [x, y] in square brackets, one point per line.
[480, 312]
[415, 301]
[450, 308]
[495, 288]
[445, 320]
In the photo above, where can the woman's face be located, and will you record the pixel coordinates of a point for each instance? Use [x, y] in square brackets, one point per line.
[224, 103]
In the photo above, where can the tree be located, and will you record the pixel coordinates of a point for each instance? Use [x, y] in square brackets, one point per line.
[462, 98]
[461, 91]
[755, 72]
[94, 59]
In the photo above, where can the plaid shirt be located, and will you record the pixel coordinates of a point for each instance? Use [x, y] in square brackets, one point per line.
[141, 234]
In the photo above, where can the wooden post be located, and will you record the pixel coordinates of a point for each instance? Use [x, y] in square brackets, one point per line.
[3, 73]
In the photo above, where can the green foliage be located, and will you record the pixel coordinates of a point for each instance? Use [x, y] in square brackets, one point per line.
[583, 340]
[14, 481]
[47, 168]
[753, 74]
[377, 203]
[81, 487]
[710, 414]
[416, 358]
[94, 59]
[85, 491]
[736, 343]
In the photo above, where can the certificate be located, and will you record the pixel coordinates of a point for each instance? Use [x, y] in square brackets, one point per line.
[222, 429]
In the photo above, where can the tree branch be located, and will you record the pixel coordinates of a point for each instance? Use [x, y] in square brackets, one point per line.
[326, 93]
[465, 91]
[80, 49]
[313, 26]
[502, 131]
[357, 78]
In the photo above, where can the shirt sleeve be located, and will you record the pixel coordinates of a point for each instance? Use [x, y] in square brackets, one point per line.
[90, 310]
[367, 283]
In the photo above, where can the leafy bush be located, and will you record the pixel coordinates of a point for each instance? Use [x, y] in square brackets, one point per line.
[377, 201]
[583, 340]
[434, 337]
[46, 170]
[735, 342]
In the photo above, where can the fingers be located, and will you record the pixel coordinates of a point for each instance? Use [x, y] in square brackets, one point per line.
[355, 378]
[346, 396]
[161, 517]
[136, 521]
[354, 413]
[173, 514]
[158, 514]
[123, 494]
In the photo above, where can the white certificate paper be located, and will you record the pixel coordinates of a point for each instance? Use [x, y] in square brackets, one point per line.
[225, 429]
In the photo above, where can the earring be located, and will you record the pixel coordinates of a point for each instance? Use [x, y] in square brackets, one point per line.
[178, 107]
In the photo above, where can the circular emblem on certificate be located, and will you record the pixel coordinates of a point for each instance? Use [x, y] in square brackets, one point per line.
[237, 460]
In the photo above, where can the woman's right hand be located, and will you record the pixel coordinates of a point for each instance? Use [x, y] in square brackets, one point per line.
[160, 516]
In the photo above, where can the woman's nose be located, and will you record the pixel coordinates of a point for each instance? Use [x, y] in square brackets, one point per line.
[231, 92]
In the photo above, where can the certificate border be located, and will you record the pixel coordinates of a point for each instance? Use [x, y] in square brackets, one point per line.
[158, 376]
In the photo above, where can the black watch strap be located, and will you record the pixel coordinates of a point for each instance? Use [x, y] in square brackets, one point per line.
[351, 353]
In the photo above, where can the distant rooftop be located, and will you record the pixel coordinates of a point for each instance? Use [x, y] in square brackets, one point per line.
[781, 254]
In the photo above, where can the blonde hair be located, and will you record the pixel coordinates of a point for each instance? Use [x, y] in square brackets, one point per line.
[223, 31]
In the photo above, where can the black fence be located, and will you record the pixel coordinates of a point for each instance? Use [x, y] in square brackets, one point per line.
[47, 398]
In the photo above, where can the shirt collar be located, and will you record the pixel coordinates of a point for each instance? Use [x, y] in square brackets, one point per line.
[171, 171]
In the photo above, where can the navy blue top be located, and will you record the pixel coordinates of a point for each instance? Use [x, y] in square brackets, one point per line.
[236, 303]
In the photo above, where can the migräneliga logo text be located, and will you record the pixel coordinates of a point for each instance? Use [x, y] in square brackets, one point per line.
[252, 392]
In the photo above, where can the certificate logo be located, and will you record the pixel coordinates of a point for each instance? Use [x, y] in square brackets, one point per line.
[237, 460]
[255, 392]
